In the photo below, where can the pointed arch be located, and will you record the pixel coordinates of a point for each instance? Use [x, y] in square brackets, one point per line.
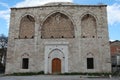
[88, 26]
[56, 54]
[90, 54]
[56, 50]
[57, 25]
[27, 27]
[25, 61]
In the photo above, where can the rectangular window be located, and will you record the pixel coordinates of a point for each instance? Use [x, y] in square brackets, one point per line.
[25, 63]
[90, 63]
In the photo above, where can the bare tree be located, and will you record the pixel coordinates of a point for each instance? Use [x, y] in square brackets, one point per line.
[3, 48]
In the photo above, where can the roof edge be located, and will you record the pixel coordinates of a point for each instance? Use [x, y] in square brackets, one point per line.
[59, 6]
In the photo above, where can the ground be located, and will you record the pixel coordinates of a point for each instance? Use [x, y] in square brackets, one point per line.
[53, 77]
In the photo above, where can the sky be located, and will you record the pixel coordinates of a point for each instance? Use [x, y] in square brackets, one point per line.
[113, 12]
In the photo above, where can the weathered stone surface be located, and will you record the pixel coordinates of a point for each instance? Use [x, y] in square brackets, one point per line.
[73, 51]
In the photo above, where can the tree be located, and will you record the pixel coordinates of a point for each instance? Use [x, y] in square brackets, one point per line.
[3, 48]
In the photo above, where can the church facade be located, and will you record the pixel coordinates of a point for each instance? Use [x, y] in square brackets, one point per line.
[58, 38]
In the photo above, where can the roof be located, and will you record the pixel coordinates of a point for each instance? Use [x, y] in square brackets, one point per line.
[117, 43]
[56, 4]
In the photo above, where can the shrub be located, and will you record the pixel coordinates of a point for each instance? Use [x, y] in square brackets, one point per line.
[27, 73]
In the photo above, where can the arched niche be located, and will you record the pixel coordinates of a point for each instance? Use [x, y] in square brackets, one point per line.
[57, 25]
[27, 27]
[88, 26]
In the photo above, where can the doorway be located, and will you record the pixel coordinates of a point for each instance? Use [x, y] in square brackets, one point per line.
[56, 66]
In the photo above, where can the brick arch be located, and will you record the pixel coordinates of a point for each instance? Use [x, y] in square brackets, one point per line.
[28, 13]
[27, 27]
[88, 26]
[57, 25]
[60, 11]
[91, 13]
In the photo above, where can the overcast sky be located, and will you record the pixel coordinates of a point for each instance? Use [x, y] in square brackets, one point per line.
[113, 11]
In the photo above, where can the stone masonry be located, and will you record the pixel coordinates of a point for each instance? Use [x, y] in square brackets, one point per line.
[65, 31]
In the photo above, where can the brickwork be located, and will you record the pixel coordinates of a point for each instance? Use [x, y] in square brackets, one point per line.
[88, 30]
[57, 26]
[27, 27]
[115, 47]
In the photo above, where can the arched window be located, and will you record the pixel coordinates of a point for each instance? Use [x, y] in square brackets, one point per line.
[27, 27]
[57, 25]
[88, 26]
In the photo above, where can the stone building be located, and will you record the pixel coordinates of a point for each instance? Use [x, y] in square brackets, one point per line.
[58, 38]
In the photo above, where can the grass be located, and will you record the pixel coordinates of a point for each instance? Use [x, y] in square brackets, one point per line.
[72, 73]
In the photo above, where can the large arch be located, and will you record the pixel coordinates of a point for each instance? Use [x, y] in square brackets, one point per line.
[27, 27]
[57, 25]
[88, 26]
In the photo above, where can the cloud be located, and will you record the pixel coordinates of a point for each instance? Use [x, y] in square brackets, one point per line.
[4, 5]
[113, 13]
[111, 40]
[5, 14]
[28, 3]
[113, 10]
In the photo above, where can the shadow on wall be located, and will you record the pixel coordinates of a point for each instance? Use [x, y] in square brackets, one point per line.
[2, 69]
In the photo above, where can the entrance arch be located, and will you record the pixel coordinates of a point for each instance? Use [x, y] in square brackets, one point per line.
[56, 65]
[56, 53]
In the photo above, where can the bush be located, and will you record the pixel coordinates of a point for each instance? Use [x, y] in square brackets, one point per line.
[89, 74]
[27, 73]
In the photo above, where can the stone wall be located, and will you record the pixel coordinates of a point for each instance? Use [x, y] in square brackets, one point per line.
[79, 47]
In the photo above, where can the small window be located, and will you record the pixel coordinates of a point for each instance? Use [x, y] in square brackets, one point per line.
[25, 63]
[90, 63]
